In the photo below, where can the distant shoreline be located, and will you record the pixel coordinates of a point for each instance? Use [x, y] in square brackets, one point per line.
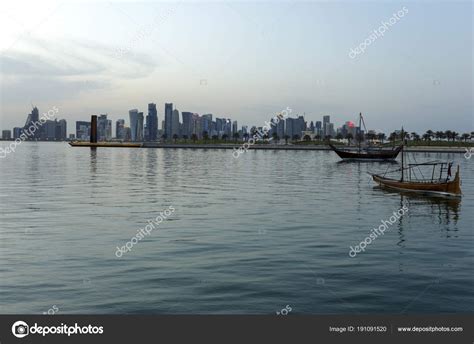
[417, 149]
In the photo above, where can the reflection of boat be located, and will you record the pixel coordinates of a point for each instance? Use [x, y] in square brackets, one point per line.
[450, 205]
[368, 153]
[105, 144]
[439, 185]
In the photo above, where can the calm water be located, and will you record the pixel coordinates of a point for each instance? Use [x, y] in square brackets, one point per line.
[248, 235]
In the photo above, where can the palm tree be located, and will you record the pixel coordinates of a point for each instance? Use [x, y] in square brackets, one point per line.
[185, 138]
[393, 137]
[246, 136]
[426, 137]
[287, 137]
[439, 135]
[381, 137]
[327, 138]
[236, 136]
[296, 137]
[164, 137]
[194, 137]
[370, 136]
[430, 134]
[224, 137]
[275, 136]
[448, 134]
[455, 136]
[339, 136]
[465, 137]
[175, 137]
[317, 137]
[307, 138]
[205, 136]
[215, 138]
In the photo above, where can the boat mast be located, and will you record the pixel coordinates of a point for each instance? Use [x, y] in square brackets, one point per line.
[359, 138]
[403, 160]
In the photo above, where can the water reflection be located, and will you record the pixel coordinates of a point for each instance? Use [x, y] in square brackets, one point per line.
[445, 209]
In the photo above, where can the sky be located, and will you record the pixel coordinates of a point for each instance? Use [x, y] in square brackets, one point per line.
[241, 60]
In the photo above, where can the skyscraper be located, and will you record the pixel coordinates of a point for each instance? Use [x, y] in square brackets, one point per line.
[61, 130]
[6, 134]
[187, 123]
[152, 123]
[139, 133]
[168, 119]
[104, 128]
[133, 123]
[33, 120]
[175, 123]
[83, 130]
[120, 129]
[326, 122]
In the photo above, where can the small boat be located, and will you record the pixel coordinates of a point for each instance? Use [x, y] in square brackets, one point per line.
[438, 184]
[369, 154]
[366, 154]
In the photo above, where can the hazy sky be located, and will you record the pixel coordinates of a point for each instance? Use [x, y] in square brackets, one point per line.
[243, 60]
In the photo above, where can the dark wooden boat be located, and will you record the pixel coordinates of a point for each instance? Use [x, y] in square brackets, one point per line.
[436, 185]
[366, 154]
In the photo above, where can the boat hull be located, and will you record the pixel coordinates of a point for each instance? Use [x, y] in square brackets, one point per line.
[450, 188]
[382, 155]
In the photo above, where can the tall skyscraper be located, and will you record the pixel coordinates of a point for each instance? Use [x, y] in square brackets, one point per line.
[175, 123]
[139, 133]
[61, 130]
[326, 121]
[120, 129]
[187, 123]
[133, 123]
[318, 128]
[151, 123]
[104, 128]
[168, 119]
[32, 119]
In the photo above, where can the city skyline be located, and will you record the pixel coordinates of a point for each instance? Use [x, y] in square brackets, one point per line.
[241, 60]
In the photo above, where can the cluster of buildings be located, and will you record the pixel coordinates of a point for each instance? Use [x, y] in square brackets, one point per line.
[49, 130]
[184, 125]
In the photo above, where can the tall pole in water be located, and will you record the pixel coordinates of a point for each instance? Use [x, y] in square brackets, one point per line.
[359, 134]
[403, 146]
[93, 136]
